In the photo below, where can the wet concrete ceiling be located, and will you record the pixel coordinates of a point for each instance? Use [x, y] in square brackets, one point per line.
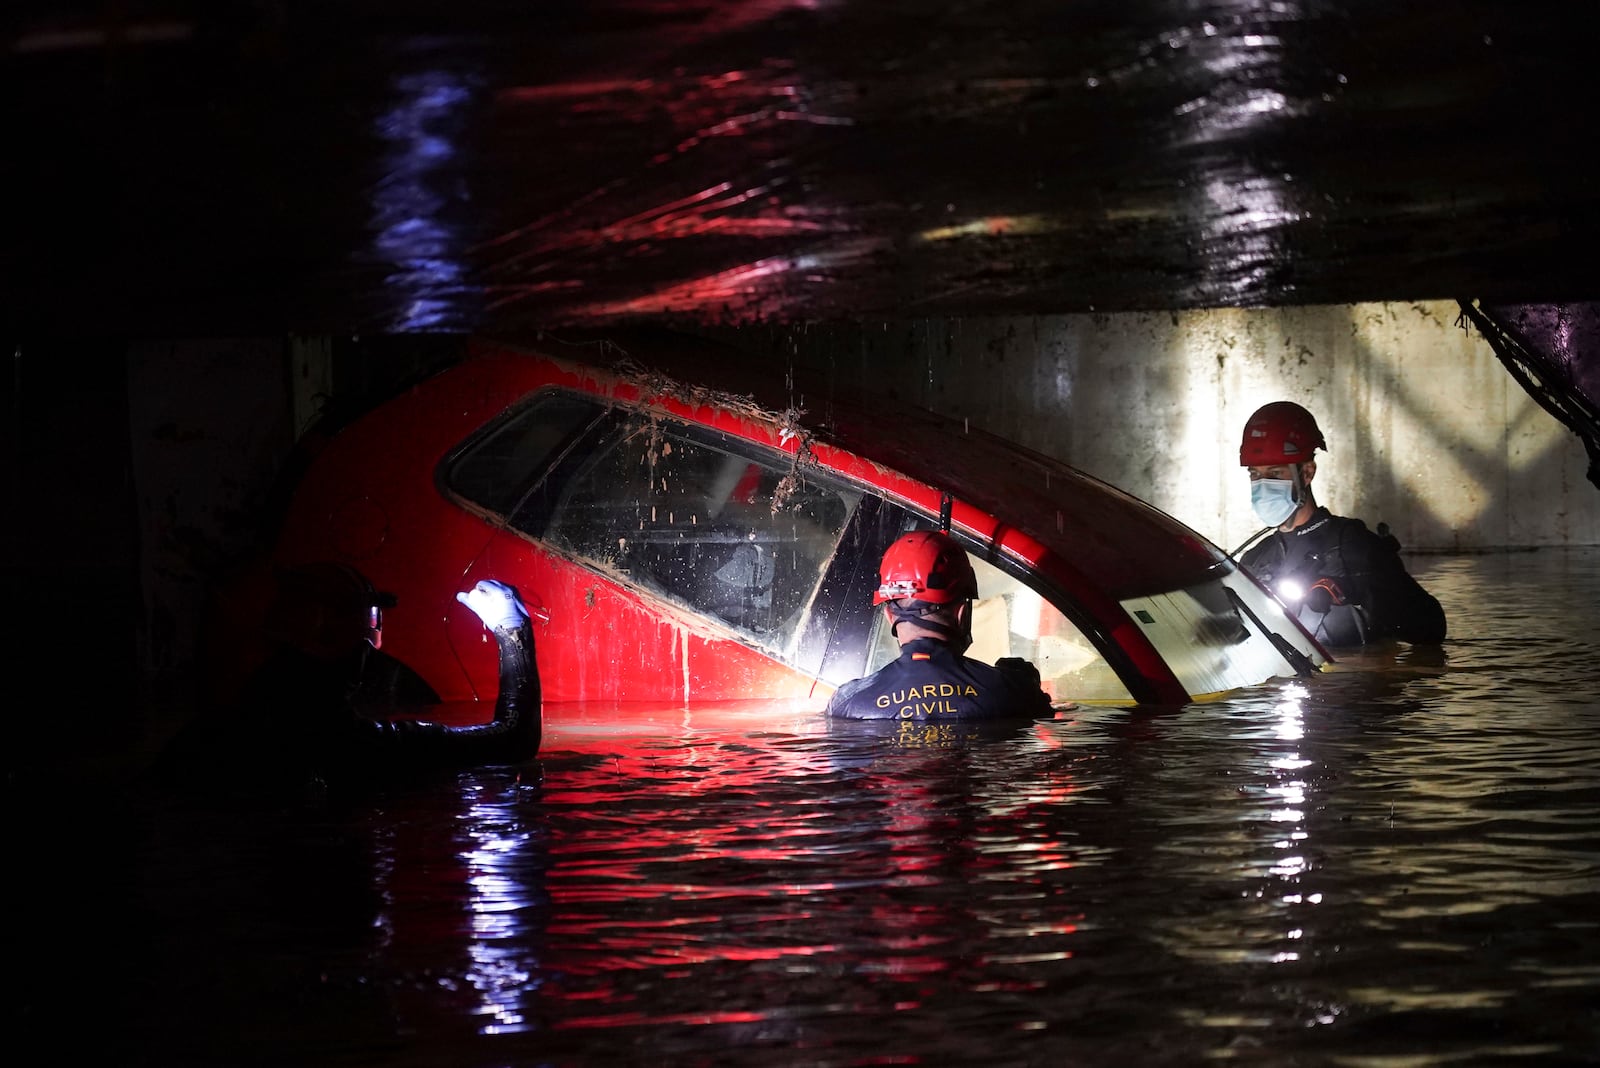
[249, 166]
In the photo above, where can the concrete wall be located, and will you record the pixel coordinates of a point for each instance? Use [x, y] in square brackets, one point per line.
[1426, 429]
[209, 423]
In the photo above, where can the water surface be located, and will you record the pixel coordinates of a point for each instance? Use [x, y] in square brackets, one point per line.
[1396, 863]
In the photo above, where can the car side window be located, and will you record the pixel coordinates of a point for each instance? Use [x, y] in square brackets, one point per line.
[719, 524]
[499, 468]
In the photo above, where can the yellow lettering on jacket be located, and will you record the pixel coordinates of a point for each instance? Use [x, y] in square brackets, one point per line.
[923, 693]
[925, 709]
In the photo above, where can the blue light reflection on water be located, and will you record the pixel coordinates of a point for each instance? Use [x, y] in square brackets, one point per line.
[420, 191]
[1395, 862]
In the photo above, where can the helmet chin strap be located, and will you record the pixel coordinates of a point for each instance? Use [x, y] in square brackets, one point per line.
[1302, 487]
[957, 636]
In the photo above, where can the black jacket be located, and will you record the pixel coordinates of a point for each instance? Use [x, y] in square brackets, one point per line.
[931, 682]
[1381, 598]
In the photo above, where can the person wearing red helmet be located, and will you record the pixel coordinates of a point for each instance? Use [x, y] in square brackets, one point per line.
[1347, 583]
[926, 587]
[301, 721]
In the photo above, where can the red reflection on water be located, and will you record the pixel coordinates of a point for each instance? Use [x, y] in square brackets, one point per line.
[749, 289]
[633, 234]
[627, 1019]
[748, 836]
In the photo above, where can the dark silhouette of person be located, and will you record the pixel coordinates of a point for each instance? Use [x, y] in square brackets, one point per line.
[297, 724]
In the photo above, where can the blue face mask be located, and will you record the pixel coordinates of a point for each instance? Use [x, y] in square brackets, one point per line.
[1274, 500]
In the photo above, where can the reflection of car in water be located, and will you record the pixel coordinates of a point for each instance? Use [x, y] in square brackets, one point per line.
[699, 546]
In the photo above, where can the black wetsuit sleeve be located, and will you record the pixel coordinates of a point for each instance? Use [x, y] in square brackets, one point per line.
[511, 737]
[1395, 603]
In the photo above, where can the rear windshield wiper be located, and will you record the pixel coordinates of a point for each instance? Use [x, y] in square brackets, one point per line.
[1299, 661]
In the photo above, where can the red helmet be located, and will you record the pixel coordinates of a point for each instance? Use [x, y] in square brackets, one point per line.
[926, 565]
[1279, 433]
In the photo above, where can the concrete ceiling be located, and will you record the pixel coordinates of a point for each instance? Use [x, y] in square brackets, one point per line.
[201, 167]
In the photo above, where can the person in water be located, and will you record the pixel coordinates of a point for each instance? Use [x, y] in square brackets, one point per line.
[1347, 582]
[927, 586]
[298, 722]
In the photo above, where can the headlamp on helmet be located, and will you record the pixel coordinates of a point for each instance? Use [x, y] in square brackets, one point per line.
[927, 566]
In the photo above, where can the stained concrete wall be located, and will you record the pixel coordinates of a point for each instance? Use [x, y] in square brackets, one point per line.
[1426, 430]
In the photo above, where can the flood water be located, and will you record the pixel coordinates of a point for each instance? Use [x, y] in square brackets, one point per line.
[1396, 863]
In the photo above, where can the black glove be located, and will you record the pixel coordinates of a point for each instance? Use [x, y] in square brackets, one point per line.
[1323, 595]
[1025, 672]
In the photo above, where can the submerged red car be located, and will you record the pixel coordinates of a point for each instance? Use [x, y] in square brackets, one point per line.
[702, 532]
